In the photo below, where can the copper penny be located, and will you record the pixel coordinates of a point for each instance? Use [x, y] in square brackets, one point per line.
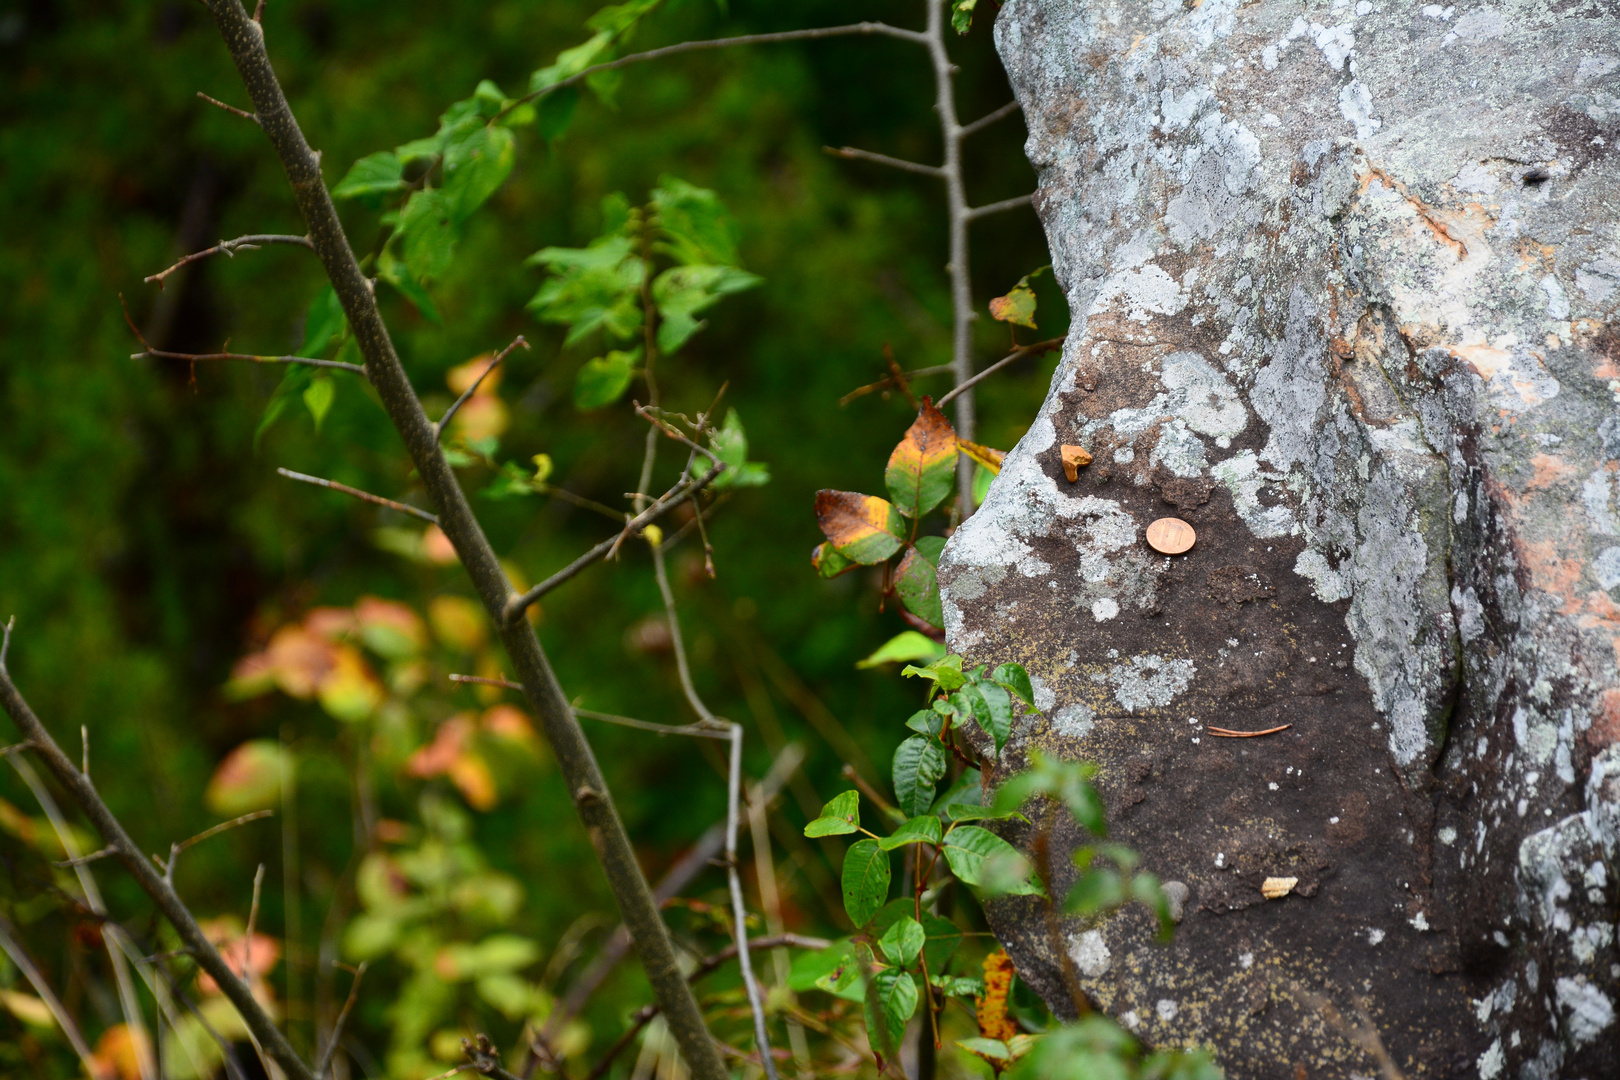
[1170, 536]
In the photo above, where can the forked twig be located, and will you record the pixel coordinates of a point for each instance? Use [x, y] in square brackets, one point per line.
[253, 358]
[230, 248]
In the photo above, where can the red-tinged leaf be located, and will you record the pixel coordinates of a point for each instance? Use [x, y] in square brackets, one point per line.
[250, 778]
[922, 469]
[984, 455]
[828, 562]
[915, 581]
[863, 528]
[1017, 307]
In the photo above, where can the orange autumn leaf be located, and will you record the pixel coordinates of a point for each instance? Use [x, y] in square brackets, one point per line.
[508, 722]
[922, 468]
[119, 1052]
[300, 660]
[864, 528]
[471, 775]
[259, 954]
[436, 547]
[984, 455]
[436, 757]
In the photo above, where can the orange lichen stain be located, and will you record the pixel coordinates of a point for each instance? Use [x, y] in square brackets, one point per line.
[1429, 216]
[1605, 729]
[1552, 573]
[994, 1023]
[1540, 258]
[1550, 470]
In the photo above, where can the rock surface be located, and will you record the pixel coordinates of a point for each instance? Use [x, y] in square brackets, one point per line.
[1344, 279]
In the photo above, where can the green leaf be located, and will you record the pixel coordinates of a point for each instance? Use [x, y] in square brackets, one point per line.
[919, 830]
[865, 880]
[989, 1049]
[841, 815]
[965, 790]
[982, 478]
[835, 969]
[829, 562]
[998, 712]
[916, 582]
[902, 943]
[428, 234]
[909, 645]
[396, 274]
[971, 850]
[945, 673]
[890, 1002]
[1017, 307]
[1016, 679]
[919, 762]
[696, 227]
[682, 292]
[591, 288]
[374, 174]
[604, 380]
[922, 468]
[292, 385]
[323, 323]
[510, 483]
[931, 548]
[1093, 1048]
[555, 112]
[926, 722]
[475, 167]
[730, 445]
[318, 397]
[1069, 782]
[962, 15]
[956, 986]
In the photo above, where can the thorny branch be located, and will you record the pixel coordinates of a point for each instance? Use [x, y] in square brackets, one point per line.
[230, 247]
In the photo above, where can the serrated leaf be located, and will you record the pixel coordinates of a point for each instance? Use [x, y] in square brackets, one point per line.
[323, 323]
[841, 815]
[1017, 307]
[427, 234]
[919, 830]
[906, 645]
[603, 380]
[374, 174]
[926, 722]
[915, 581]
[828, 562]
[922, 468]
[682, 292]
[865, 880]
[863, 528]
[318, 397]
[990, 459]
[919, 762]
[1016, 679]
[968, 850]
[902, 943]
[696, 227]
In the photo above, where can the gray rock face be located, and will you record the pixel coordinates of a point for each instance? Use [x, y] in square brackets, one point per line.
[1344, 278]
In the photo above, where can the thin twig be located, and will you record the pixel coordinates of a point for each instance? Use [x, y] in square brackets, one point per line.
[986, 120]
[357, 493]
[885, 383]
[1017, 354]
[192, 358]
[854, 776]
[677, 495]
[852, 153]
[444, 421]
[176, 849]
[812, 34]
[64, 1019]
[337, 1026]
[82, 859]
[253, 917]
[243, 113]
[230, 248]
[699, 730]
[505, 684]
[739, 912]
[1228, 733]
[974, 213]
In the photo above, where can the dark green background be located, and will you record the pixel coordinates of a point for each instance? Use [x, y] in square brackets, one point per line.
[144, 543]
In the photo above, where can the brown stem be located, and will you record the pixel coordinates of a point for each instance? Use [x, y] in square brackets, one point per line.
[229, 247]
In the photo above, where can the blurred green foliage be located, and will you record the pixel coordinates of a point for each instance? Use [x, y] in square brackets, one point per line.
[146, 543]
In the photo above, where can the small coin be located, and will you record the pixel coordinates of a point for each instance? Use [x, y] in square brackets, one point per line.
[1170, 536]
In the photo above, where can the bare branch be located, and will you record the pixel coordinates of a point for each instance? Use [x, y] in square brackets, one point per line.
[230, 247]
[986, 120]
[444, 420]
[699, 730]
[164, 354]
[1017, 354]
[337, 1026]
[977, 212]
[885, 383]
[64, 1019]
[403, 508]
[515, 605]
[505, 684]
[82, 859]
[243, 113]
[739, 911]
[852, 153]
[176, 849]
[813, 34]
[571, 750]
